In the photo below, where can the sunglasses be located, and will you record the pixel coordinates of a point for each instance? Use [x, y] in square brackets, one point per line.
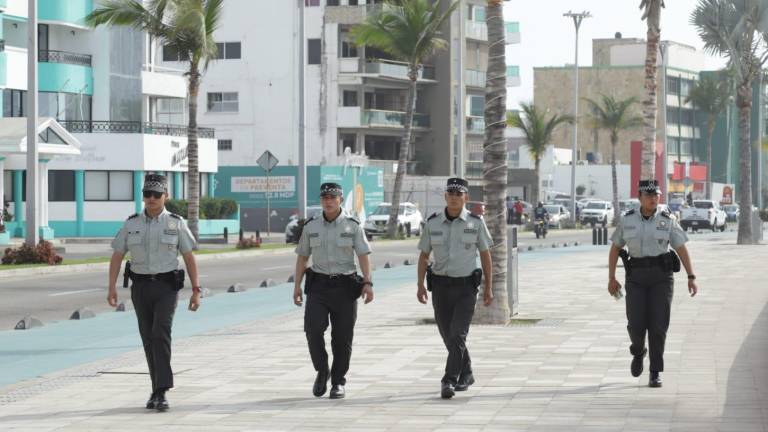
[153, 194]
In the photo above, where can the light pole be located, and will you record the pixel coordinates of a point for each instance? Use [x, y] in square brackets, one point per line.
[33, 213]
[302, 174]
[577, 19]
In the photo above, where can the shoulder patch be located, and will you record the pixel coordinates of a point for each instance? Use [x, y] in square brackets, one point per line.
[666, 214]
[175, 216]
[434, 215]
[629, 212]
[132, 216]
[354, 219]
[475, 216]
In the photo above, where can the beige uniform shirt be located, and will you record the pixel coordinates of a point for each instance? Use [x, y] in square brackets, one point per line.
[333, 245]
[455, 244]
[651, 237]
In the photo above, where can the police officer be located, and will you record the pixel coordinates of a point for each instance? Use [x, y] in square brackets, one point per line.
[332, 287]
[648, 233]
[154, 239]
[455, 236]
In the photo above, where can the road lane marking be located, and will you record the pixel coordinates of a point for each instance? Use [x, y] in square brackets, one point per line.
[75, 292]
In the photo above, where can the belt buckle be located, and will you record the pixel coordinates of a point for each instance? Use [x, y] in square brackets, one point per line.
[334, 275]
[153, 277]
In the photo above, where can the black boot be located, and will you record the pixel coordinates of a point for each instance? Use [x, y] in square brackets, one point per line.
[464, 383]
[152, 400]
[161, 403]
[321, 383]
[637, 363]
[447, 391]
[655, 380]
[337, 391]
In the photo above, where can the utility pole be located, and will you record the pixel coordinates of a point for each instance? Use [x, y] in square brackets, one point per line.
[577, 19]
[33, 219]
[302, 174]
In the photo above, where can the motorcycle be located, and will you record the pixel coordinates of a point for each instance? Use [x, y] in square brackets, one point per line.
[540, 228]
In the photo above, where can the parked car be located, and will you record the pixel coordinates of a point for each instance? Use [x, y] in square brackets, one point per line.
[557, 215]
[596, 212]
[675, 204]
[731, 212]
[629, 204]
[477, 208]
[293, 223]
[409, 217]
[703, 214]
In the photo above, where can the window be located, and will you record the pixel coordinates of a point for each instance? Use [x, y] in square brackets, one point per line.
[313, 51]
[673, 85]
[349, 98]
[13, 102]
[170, 53]
[8, 189]
[685, 87]
[64, 106]
[348, 49]
[168, 110]
[476, 13]
[223, 102]
[61, 185]
[225, 144]
[311, 2]
[332, 3]
[686, 117]
[685, 147]
[673, 116]
[108, 186]
[477, 106]
[228, 50]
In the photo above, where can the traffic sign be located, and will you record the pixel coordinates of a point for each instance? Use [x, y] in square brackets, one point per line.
[267, 160]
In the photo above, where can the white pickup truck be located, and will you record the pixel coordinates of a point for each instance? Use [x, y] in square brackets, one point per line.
[703, 214]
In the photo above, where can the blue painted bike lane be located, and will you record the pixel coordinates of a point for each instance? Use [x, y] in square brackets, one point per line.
[26, 354]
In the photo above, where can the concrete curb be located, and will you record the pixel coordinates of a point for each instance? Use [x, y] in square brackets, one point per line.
[78, 268]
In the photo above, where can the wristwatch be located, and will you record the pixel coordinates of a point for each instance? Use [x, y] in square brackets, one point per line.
[368, 283]
[691, 277]
[196, 289]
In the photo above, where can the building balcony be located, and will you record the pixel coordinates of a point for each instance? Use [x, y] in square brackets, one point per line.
[64, 57]
[130, 127]
[475, 125]
[162, 81]
[513, 76]
[512, 32]
[476, 31]
[387, 69]
[392, 119]
[346, 14]
[474, 78]
[70, 12]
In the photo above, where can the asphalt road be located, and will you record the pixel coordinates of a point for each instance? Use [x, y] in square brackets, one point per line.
[55, 297]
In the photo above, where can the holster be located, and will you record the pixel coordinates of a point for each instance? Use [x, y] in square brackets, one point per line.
[672, 261]
[356, 285]
[430, 275]
[178, 279]
[477, 277]
[625, 260]
[126, 274]
[309, 276]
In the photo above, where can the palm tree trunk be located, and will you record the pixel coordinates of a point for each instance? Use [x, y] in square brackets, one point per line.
[402, 160]
[648, 162]
[710, 132]
[535, 198]
[495, 167]
[193, 176]
[614, 182]
[745, 165]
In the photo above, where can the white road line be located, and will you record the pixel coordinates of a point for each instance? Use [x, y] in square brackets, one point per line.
[74, 292]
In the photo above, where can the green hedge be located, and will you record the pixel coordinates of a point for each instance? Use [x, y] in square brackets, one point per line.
[210, 208]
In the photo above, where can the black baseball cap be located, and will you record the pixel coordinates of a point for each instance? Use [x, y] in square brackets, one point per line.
[456, 184]
[332, 189]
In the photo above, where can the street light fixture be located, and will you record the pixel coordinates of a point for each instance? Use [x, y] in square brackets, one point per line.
[577, 17]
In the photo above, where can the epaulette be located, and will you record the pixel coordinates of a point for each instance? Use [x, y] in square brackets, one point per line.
[629, 212]
[174, 215]
[666, 214]
[354, 219]
[475, 216]
[434, 215]
[132, 216]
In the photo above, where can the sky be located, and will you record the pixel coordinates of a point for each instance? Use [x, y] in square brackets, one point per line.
[547, 37]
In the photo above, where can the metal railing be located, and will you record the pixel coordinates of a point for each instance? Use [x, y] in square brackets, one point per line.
[396, 119]
[397, 69]
[474, 78]
[128, 127]
[475, 125]
[65, 57]
[162, 69]
[476, 30]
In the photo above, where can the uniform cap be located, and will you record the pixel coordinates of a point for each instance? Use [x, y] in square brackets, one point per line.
[649, 186]
[332, 189]
[155, 183]
[457, 184]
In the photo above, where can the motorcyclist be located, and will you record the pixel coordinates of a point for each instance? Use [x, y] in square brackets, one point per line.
[541, 213]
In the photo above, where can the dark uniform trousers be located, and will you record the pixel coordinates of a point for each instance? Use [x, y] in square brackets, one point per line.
[155, 304]
[649, 301]
[454, 302]
[331, 298]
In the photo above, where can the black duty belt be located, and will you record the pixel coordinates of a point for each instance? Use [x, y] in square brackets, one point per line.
[157, 276]
[653, 261]
[451, 278]
[334, 276]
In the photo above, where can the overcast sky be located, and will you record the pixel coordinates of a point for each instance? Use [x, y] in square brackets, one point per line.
[548, 37]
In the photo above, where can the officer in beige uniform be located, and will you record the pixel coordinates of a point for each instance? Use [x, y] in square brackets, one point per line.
[332, 286]
[455, 237]
[154, 238]
[648, 233]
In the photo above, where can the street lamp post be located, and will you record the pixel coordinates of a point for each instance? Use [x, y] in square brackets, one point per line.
[302, 174]
[32, 210]
[577, 19]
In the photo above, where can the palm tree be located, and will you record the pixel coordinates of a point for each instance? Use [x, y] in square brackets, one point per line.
[736, 29]
[495, 164]
[538, 129]
[614, 116]
[652, 16]
[710, 96]
[186, 26]
[409, 31]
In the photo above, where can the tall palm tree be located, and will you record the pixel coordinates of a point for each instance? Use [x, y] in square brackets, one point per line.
[187, 27]
[736, 29]
[409, 31]
[614, 116]
[710, 96]
[652, 16]
[538, 128]
[495, 164]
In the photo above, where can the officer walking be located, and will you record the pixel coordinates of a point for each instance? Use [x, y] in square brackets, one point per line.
[455, 236]
[332, 287]
[649, 265]
[154, 239]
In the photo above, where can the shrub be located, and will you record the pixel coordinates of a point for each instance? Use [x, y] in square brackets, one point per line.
[249, 242]
[210, 208]
[43, 253]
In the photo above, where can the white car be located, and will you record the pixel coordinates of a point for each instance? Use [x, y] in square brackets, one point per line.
[557, 215]
[409, 217]
[703, 214]
[629, 204]
[597, 212]
[293, 222]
